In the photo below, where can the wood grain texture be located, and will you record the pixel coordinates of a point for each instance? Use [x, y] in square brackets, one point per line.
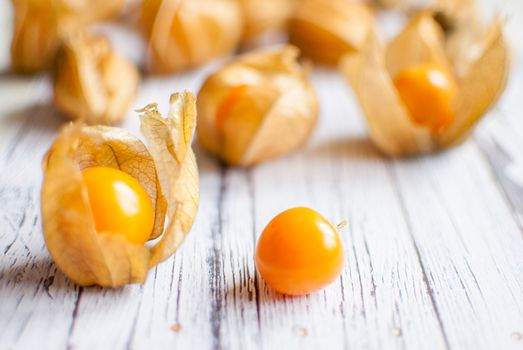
[37, 301]
[433, 246]
[501, 141]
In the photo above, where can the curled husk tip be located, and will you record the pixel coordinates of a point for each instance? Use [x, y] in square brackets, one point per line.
[258, 107]
[480, 70]
[91, 82]
[166, 169]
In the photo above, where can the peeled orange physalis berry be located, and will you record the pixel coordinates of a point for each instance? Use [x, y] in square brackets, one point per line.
[299, 252]
[427, 91]
[119, 204]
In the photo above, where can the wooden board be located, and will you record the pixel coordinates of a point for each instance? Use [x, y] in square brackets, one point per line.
[434, 244]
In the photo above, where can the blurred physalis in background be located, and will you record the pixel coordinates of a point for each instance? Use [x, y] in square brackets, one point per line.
[432, 85]
[40, 25]
[184, 34]
[265, 16]
[325, 30]
[91, 82]
[259, 106]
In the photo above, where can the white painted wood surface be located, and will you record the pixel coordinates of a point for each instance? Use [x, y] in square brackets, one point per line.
[434, 245]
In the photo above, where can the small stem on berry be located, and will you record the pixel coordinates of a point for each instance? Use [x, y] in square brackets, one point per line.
[341, 225]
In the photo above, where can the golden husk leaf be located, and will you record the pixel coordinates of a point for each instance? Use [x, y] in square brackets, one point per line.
[454, 15]
[274, 115]
[169, 141]
[91, 82]
[265, 16]
[391, 3]
[325, 30]
[407, 6]
[481, 83]
[370, 73]
[184, 34]
[464, 32]
[40, 25]
[167, 170]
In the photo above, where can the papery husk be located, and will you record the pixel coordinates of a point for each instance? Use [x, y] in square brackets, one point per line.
[265, 16]
[91, 82]
[454, 14]
[463, 30]
[184, 34]
[391, 3]
[40, 25]
[169, 141]
[421, 41]
[370, 72]
[407, 6]
[167, 171]
[275, 115]
[480, 85]
[325, 30]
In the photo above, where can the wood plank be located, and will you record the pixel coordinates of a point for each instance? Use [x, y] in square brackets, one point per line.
[234, 316]
[433, 250]
[37, 300]
[179, 292]
[500, 138]
[469, 245]
[22, 99]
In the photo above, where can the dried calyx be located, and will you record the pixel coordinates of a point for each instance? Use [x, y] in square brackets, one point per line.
[166, 169]
[91, 82]
[325, 30]
[400, 4]
[455, 15]
[265, 16]
[258, 107]
[465, 68]
[464, 32]
[40, 25]
[183, 34]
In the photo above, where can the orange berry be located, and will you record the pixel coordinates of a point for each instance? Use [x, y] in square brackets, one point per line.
[427, 91]
[299, 252]
[119, 204]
